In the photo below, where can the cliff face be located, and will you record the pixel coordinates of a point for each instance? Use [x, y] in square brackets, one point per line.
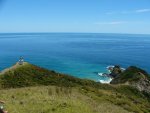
[135, 77]
[142, 85]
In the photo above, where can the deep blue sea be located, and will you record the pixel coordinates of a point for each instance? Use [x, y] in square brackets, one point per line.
[78, 54]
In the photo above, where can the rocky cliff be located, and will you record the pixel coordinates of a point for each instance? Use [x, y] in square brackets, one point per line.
[135, 77]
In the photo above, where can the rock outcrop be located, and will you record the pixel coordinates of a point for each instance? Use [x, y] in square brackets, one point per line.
[135, 77]
[115, 71]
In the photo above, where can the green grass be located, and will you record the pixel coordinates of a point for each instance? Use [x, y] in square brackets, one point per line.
[123, 96]
[31, 89]
[30, 75]
[51, 99]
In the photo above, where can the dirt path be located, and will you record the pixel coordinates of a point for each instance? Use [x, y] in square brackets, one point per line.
[11, 68]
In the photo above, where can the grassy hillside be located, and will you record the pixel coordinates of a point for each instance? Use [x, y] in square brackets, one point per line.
[31, 75]
[31, 89]
[54, 100]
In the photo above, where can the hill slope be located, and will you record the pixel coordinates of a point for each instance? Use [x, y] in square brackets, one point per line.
[31, 75]
[55, 92]
[50, 99]
[135, 77]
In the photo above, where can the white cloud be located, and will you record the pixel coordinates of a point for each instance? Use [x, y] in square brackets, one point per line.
[111, 23]
[142, 10]
[130, 12]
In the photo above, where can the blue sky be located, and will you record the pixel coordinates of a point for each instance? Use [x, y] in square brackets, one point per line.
[100, 16]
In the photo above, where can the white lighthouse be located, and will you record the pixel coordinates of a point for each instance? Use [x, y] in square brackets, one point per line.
[21, 61]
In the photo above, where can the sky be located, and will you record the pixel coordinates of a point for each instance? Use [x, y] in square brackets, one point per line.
[85, 16]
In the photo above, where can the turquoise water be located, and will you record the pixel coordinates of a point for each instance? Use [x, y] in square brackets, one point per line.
[79, 54]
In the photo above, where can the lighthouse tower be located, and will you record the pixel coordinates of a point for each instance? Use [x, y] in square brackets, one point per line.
[21, 61]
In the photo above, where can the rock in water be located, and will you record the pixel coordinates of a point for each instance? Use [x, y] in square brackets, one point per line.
[115, 71]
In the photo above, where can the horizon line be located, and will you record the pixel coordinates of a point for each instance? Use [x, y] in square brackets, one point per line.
[76, 33]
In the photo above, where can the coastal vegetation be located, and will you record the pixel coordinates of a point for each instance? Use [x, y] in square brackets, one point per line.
[29, 88]
[135, 77]
[132, 73]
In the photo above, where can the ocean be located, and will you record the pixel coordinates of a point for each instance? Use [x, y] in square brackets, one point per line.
[83, 55]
